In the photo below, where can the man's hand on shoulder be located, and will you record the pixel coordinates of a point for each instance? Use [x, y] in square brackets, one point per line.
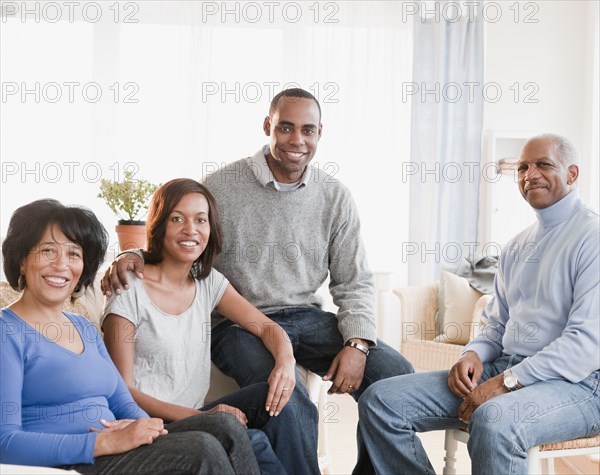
[348, 368]
[116, 275]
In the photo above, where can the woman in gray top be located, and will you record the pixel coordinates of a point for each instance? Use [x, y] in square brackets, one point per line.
[158, 332]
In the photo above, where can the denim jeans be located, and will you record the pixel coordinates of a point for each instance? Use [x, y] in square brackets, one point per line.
[198, 445]
[268, 462]
[501, 430]
[251, 400]
[316, 341]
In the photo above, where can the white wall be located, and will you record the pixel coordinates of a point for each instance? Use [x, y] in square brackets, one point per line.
[558, 54]
[355, 54]
[555, 63]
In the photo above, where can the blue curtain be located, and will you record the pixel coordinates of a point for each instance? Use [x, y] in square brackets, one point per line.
[445, 169]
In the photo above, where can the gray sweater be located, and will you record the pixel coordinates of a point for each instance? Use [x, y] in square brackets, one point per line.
[280, 245]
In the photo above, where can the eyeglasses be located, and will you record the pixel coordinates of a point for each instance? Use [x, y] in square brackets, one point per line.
[522, 168]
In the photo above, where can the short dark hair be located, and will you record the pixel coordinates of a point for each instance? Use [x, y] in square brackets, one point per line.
[293, 92]
[163, 202]
[28, 224]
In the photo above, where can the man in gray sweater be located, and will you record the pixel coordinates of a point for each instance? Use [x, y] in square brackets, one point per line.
[286, 227]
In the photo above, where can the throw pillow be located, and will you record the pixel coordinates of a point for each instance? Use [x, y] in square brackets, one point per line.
[459, 302]
[479, 272]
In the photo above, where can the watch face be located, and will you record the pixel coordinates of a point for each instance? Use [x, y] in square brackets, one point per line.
[510, 380]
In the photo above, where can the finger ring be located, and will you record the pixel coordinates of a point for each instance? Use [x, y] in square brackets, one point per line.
[350, 386]
[286, 389]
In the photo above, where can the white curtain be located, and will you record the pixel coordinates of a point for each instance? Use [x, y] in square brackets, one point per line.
[186, 87]
[447, 116]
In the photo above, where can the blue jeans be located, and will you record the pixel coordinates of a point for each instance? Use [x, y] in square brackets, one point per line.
[251, 400]
[316, 341]
[501, 430]
[268, 462]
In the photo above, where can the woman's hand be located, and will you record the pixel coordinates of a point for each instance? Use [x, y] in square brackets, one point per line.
[283, 377]
[282, 381]
[111, 426]
[231, 410]
[132, 436]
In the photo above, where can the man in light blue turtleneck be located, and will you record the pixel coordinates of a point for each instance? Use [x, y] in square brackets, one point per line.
[532, 375]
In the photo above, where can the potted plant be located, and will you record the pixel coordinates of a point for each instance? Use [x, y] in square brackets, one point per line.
[128, 199]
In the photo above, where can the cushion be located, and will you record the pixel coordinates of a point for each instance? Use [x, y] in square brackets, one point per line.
[459, 300]
[479, 306]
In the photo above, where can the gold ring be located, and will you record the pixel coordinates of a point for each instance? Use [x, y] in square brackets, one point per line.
[286, 389]
[350, 386]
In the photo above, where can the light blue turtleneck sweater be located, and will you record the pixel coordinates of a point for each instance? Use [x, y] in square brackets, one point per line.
[546, 297]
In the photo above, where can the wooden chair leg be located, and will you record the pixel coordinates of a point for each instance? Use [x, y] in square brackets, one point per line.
[323, 449]
[450, 446]
[534, 461]
[548, 466]
[317, 390]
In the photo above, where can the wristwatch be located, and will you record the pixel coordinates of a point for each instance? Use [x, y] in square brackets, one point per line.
[358, 346]
[510, 380]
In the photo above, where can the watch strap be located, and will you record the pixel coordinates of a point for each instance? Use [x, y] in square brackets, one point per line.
[358, 346]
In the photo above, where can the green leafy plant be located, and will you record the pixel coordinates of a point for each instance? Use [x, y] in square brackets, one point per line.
[129, 198]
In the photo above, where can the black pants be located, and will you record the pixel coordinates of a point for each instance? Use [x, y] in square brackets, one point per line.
[214, 443]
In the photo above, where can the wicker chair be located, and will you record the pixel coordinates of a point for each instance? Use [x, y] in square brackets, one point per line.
[540, 459]
[418, 307]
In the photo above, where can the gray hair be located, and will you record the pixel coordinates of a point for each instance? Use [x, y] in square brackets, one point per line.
[566, 150]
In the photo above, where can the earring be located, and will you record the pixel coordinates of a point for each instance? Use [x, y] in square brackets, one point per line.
[21, 282]
[77, 292]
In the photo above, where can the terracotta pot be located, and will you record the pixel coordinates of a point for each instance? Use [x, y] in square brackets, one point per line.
[131, 235]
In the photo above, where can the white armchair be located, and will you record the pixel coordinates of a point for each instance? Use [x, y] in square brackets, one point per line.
[420, 344]
[418, 307]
